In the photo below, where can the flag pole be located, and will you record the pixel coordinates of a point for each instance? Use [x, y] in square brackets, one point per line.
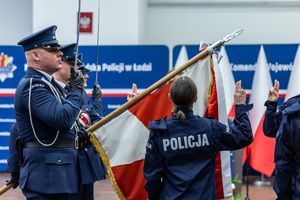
[5, 188]
[162, 81]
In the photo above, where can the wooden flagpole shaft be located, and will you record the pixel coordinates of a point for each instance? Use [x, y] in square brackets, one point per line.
[147, 91]
[5, 188]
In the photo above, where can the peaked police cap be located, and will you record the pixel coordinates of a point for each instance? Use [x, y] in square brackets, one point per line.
[45, 38]
[69, 52]
[81, 65]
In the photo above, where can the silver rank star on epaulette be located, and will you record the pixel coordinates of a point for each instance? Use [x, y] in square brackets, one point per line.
[149, 146]
[227, 129]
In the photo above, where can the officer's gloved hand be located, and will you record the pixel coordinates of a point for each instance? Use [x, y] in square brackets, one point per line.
[76, 80]
[83, 135]
[14, 179]
[96, 93]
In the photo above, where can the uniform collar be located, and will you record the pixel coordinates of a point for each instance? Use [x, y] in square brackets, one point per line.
[48, 76]
[61, 84]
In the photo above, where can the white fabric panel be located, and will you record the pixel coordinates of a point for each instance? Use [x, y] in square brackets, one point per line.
[128, 131]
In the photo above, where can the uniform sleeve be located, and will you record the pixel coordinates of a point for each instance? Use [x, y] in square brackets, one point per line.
[97, 111]
[272, 120]
[12, 160]
[47, 108]
[153, 168]
[238, 136]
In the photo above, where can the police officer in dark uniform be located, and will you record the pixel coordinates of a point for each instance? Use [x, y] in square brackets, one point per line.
[12, 160]
[180, 153]
[45, 120]
[283, 123]
[96, 110]
[91, 166]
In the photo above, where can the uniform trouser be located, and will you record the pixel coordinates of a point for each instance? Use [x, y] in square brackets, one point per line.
[86, 194]
[32, 195]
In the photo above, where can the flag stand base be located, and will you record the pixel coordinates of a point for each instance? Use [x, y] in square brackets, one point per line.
[262, 182]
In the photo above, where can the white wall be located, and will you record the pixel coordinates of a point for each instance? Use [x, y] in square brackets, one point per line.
[169, 22]
[119, 20]
[189, 23]
[16, 20]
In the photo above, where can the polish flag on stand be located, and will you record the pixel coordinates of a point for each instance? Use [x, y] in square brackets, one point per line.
[121, 142]
[182, 57]
[293, 88]
[228, 83]
[261, 156]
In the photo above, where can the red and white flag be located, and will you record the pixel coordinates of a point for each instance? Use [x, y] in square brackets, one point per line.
[121, 142]
[261, 156]
[228, 83]
[293, 88]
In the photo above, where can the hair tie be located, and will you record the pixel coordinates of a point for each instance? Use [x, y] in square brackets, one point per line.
[180, 108]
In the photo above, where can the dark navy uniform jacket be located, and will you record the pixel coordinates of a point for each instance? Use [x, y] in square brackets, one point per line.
[91, 166]
[284, 124]
[12, 160]
[180, 154]
[47, 170]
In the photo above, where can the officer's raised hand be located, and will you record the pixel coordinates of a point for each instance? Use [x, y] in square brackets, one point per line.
[133, 92]
[239, 94]
[76, 80]
[14, 179]
[273, 92]
[96, 93]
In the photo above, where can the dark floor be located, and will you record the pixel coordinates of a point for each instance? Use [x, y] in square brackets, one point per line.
[104, 191]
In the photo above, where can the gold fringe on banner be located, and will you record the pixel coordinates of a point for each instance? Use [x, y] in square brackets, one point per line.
[105, 160]
[211, 78]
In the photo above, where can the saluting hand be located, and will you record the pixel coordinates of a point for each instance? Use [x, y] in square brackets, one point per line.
[133, 92]
[273, 92]
[239, 94]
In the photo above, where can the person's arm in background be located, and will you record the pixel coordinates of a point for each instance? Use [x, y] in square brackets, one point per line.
[97, 107]
[240, 135]
[272, 120]
[133, 92]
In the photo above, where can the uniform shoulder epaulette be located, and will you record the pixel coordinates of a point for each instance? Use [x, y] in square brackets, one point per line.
[293, 99]
[158, 124]
[293, 109]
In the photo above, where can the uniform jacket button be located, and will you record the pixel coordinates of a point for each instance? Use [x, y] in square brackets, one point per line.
[59, 161]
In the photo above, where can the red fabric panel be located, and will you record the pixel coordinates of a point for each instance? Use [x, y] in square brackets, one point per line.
[131, 180]
[154, 106]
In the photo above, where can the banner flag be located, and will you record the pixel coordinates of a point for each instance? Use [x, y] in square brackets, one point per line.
[228, 83]
[121, 142]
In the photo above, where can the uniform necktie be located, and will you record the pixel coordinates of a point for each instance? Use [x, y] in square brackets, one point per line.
[67, 88]
[53, 82]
